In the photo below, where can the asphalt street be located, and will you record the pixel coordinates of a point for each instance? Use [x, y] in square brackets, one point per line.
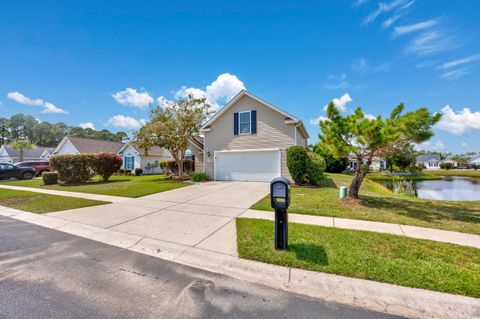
[49, 274]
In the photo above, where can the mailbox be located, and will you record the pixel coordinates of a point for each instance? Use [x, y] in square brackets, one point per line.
[280, 193]
[280, 200]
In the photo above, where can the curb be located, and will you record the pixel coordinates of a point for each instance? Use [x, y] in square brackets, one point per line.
[387, 298]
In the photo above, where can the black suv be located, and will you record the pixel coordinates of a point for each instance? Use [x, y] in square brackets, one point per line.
[8, 171]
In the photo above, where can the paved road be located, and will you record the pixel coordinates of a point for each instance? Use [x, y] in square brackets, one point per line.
[49, 274]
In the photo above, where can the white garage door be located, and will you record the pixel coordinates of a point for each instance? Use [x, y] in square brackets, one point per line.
[261, 165]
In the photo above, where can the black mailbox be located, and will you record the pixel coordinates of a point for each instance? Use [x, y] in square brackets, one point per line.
[280, 193]
[280, 200]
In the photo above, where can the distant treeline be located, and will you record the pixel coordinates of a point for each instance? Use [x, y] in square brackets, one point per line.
[21, 126]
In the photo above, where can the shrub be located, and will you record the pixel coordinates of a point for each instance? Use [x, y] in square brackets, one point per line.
[188, 167]
[121, 171]
[315, 168]
[163, 164]
[138, 171]
[199, 177]
[106, 164]
[297, 161]
[76, 168]
[50, 178]
[333, 164]
[446, 166]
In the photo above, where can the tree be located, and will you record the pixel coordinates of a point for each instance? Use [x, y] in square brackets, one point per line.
[173, 125]
[366, 138]
[21, 146]
[403, 157]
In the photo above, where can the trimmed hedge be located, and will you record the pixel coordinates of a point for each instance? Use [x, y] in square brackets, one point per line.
[297, 160]
[50, 178]
[138, 171]
[106, 164]
[315, 168]
[77, 168]
[188, 167]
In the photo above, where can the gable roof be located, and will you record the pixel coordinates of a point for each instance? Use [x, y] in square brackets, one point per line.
[91, 146]
[428, 158]
[35, 152]
[243, 93]
[152, 151]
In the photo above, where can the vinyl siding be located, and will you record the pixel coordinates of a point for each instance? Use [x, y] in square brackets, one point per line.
[199, 163]
[272, 132]
[67, 148]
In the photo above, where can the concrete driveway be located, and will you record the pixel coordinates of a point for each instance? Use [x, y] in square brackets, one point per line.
[201, 215]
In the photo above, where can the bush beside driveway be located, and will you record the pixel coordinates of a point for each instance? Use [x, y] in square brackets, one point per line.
[42, 203]
[381, 205]
[125, 186]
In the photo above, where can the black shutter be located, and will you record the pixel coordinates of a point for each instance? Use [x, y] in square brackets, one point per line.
[235, 123]
[254, 122]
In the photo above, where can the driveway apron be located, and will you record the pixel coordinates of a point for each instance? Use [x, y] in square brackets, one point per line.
[201, 215]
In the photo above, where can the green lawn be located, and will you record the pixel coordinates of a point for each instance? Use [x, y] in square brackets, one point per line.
[42, 203]
[453, 172]
[380, 257]
[379, 204]
[376, 176]
[127, 186]
[427, 174]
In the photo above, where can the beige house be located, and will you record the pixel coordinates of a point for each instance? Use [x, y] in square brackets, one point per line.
[247, 140]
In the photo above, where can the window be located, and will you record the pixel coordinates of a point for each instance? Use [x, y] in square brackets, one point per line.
[244, 123]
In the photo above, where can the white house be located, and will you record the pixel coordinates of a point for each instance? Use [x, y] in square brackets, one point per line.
[38, 153]
[474, 161]
[430, 161]
[133, 157]
[377, 163]
[449, 160]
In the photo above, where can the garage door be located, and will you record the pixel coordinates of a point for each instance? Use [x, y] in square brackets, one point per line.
[261, 165]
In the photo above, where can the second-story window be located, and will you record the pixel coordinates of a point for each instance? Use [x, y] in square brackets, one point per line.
[244, 123]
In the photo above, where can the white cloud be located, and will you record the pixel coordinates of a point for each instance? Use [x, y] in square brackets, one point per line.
[131, 97]
[384, 8]
[337, 82]
[185, 92]
[341, 103]
[455, 74]
[438, 146]
[225, 87]
[87, 125]
[400, 12]
[51, 108]
[370, 117]
[460, 122]
[464, 144]
[126, 122]
[431, 42]
[163, 102]
[362, 66]
[47, 106]
[458, 62]
[318, 120]
[406, 29]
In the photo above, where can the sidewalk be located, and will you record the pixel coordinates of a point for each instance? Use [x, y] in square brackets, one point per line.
[409, 302]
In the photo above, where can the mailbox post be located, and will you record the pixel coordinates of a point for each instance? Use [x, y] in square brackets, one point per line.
[280, 200]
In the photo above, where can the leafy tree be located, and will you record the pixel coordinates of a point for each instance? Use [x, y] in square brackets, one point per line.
[173, 125]
[333, 164]
[21, 146]
[365, 138]
[403, 157]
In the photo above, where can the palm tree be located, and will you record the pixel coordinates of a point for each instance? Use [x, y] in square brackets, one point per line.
[21, 146]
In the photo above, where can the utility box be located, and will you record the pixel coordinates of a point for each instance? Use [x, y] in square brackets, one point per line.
[280, 200]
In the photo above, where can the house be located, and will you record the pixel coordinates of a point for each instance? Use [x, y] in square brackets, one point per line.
[38, 153]
[449, 160]
[474, 161]
[430, 161]
[132, 155]
[247, 139]
[377, 164]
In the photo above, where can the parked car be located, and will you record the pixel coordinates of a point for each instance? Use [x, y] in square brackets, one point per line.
[38, 166]
[8, 171]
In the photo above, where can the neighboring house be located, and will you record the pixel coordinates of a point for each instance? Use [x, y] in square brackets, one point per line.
[474, 161]
[376, 165]
[449, 160]
[133, 156]
[430, 161]
[247, 139]
[38, 153]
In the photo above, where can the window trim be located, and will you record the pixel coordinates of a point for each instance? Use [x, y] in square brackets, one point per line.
[249, 123]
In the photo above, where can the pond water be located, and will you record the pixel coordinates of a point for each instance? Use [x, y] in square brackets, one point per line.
[454, 188]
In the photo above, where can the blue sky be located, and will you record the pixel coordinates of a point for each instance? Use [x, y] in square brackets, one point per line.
[101, 63]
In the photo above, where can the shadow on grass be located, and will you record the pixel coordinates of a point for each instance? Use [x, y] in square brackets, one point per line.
[310, 253]
[425, 211]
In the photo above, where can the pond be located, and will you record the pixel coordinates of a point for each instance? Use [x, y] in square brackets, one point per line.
[453, 188]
